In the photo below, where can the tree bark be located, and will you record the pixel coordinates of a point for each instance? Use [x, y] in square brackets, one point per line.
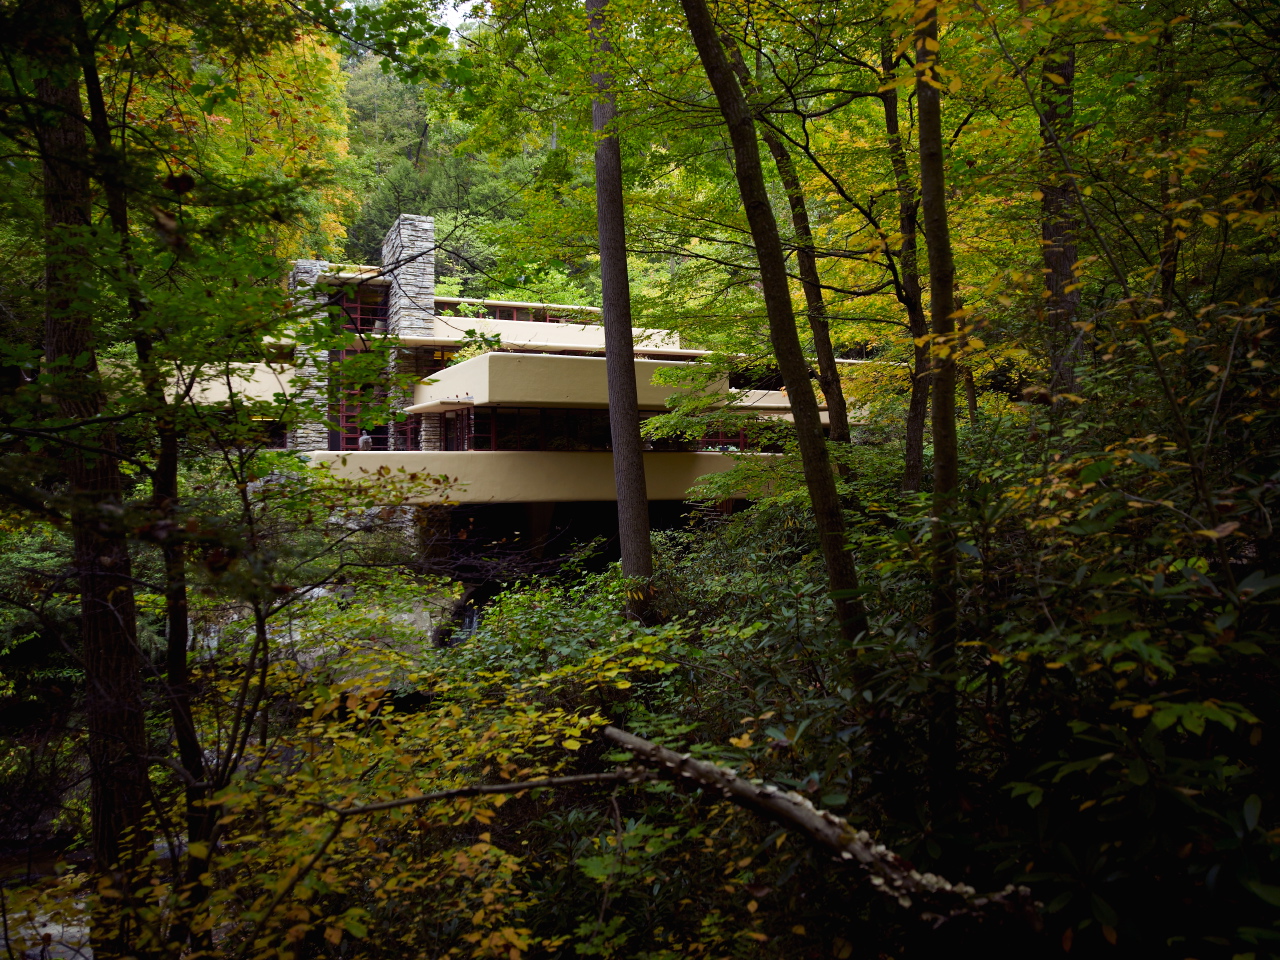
[807, 267]
[110, 173]
[909, 280]
[117, 743]
[819, 478]
[815, 305]
[1058, 222]
[1170, 245]
[942, 772]
[619, 349]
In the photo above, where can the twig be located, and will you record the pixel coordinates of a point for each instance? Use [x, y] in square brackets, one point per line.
[622, 774]
[343, 814]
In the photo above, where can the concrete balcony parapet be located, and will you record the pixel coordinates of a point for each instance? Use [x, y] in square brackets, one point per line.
[529, 477]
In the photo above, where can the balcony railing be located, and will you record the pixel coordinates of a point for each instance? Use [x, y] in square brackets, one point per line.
[515, 310]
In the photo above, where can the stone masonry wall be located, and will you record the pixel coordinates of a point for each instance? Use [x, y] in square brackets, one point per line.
[431, 433]
[409, 257]
[307, 430]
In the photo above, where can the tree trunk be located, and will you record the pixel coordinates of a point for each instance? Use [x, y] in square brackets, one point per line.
[819, 478]
[971, 395]
[807, 267]
[1058, 222]
[942, 773]
[909, 280]
[113, 686]
[624, 413]
[164, 482]
[1170, 245]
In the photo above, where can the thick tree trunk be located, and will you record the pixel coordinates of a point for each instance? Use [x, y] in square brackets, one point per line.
[113, 685]
[619, 349]
[943, 780]
[909, 293]
[818, 474]
[164, 484]
[1058, 221]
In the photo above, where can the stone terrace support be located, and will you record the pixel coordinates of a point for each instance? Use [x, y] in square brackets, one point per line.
[306, 432]
[411, 299]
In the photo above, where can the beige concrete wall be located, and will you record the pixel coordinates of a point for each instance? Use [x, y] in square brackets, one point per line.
[531, 477]
[530, 333]
[261, 381]
[540, 380]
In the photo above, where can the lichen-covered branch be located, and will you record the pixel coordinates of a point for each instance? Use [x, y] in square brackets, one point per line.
[935, 897]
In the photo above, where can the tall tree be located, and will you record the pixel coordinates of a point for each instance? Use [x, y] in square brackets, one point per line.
[909, 292]
[108, 620]
[619, 349]
[942, 275]
[806, 263]
[841, 573]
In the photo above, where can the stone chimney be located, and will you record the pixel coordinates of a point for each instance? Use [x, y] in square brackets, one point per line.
[307, 430]
[409, 257]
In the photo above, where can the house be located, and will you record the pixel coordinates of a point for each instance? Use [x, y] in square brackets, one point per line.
[522, 430]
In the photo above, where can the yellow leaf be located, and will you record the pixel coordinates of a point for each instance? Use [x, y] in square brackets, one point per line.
[798, 929]
[1037, 194]
[954, 86]
[743, 741]
[1141, 710]
[1055, 78]
[571, 744]
[1221, 530]
[752, 907]
[1209, 219]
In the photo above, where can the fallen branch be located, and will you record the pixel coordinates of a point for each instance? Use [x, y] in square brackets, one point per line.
[889, 873]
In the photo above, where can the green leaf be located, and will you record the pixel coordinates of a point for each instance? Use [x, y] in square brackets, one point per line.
[1265, 892]
[1123, 615]
[1252, 809]
[1096, 471]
